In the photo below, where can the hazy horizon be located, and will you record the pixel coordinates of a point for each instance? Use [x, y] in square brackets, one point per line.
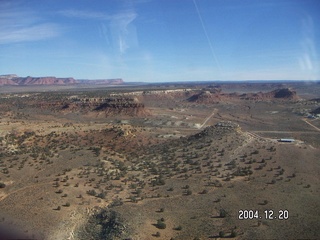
[161, 41]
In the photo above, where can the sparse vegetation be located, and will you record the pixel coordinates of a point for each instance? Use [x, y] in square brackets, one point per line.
[79, 162]
[161, 224]
[178, 228]
[233, 234]
[222, 234]
[222, 213]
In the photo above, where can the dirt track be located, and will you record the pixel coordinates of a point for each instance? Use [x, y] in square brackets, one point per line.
[318, 129]
[208, 118]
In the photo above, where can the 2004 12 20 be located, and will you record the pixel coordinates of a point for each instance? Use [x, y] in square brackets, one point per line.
[268, 214]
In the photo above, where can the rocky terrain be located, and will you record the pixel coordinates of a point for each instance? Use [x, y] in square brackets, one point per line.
[122, 106]
[108, 106]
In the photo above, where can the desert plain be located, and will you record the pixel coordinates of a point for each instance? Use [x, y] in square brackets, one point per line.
[161, 161]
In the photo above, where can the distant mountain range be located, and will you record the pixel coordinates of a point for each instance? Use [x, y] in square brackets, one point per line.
[14, 80]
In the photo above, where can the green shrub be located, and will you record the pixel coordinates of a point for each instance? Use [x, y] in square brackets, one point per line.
[233, 234]
[222, 213]
[179, 228]
[161, 224]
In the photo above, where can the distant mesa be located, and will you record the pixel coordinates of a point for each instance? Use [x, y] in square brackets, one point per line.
[8, 76]
[214, 95]
[43, 81]
[14, 80]
[283, 93]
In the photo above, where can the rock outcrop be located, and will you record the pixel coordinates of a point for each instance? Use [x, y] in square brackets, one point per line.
[110, 106]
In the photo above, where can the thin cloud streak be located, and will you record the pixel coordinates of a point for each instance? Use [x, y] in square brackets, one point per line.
[22, 25]
[123, 34]
[125, 16]
[308, 60]
[72, 13]
[123, 31]
[25, 34]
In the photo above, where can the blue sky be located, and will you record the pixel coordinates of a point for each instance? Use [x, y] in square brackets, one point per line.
[161, 40]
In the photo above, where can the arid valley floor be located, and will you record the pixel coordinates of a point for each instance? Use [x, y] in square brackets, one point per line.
[167, 161]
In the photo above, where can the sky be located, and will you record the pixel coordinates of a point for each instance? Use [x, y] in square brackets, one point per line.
[161, 40]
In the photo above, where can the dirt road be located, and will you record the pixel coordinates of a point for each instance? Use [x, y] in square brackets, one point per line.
[318, 129]
[207, 119]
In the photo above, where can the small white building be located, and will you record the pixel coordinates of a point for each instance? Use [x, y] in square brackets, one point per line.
[286, 140]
